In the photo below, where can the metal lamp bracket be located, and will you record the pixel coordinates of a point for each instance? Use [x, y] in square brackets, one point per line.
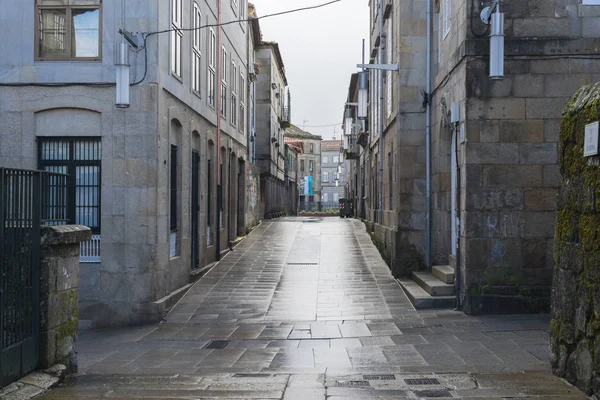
[486, 13]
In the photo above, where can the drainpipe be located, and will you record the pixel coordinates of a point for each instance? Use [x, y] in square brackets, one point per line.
[457, 276]
[380, 199]
[428, 142]
[218, 110]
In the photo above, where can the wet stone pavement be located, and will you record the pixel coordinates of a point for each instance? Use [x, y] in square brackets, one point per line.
[307, 309]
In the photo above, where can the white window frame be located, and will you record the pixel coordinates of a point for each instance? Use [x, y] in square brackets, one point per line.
[242, 96]
[235, 7]
[325, 177]
[336, 198]
[234, 75]
[197, 50]
[223, 82]
[447, 17]
[325, 160]
[325, 197]
[176, 38]
[336, 158]
[211, 86]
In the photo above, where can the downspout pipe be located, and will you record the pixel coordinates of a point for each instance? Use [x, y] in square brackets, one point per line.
[428, 142]
[380, 72]
[218, 112]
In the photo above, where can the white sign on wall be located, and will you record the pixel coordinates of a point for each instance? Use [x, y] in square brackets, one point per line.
[590, 146]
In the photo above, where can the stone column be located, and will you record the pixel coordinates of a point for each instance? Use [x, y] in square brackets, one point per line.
[59, 281]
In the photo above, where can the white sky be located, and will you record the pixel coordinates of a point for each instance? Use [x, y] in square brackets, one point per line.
[320, 50]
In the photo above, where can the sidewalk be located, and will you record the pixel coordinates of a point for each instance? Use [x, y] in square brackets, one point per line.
[308, 310]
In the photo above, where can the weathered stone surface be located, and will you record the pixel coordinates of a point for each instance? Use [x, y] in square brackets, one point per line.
[580, 367]
[503, 176]
[540, 199]
[576, 285]
[65, 234]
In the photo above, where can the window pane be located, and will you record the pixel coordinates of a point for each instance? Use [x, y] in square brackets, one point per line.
[55, 150]
[53, 33]
[87, 150]
[86, 28]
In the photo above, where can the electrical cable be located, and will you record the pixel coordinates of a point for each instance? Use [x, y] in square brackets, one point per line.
[145, 48]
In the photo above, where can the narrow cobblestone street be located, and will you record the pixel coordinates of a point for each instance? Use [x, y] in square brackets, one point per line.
[307, 309]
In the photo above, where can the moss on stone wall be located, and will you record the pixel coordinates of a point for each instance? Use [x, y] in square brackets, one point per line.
[575, 327]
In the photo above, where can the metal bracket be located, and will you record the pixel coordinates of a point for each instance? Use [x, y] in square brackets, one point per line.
[486, 13]
[385, 67]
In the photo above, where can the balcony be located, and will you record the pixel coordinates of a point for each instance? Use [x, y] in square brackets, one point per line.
[363, 139]
[285, 120]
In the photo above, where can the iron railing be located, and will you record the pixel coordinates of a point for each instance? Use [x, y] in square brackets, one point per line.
[27, 200]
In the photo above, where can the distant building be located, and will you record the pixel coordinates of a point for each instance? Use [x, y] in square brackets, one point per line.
[332, 180]
[294, 148]
[309, 167]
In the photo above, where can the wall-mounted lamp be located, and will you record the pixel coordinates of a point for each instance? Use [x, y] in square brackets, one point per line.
[496, 18]
[363, 95]
[122, 63]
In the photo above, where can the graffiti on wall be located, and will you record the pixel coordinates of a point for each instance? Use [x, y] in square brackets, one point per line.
[252, 198]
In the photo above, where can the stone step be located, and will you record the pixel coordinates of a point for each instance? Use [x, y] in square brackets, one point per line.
[444, 273]
[432, 285]
[420, 299]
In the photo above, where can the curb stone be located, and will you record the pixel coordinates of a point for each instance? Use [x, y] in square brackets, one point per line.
[34, 384]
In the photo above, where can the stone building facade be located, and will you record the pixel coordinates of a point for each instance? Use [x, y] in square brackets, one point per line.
[150, 169]
[494, 172]
[331, 161]
[271, 120]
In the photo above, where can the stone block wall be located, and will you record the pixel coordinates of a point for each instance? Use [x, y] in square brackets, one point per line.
[575, 327]
[59, 287]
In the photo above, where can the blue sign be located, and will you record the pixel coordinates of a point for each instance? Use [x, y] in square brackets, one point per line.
[308, 188]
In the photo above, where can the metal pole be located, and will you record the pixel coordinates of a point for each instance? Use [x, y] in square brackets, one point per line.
[380, 196]
[428, 142]
[218, 110]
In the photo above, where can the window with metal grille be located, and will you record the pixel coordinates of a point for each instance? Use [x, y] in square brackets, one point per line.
[173, 188]
[80, 158]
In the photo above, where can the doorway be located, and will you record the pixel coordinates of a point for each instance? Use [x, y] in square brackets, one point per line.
[241, 218]
[453, 191]
[195, 210]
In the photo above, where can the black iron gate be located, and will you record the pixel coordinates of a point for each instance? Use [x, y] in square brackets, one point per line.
[27, 200]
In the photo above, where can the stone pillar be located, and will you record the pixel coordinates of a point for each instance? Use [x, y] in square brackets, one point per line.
[59, 281]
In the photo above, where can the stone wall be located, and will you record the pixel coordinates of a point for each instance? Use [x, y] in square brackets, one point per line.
[252, 196]
[59, 287]
[575, 328]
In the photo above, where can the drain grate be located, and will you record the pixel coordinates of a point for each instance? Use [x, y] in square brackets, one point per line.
[216, 344]
[299, 263]
[388, 377]
[433, 393]
[251, 376]
[422, 381]
[352, 383]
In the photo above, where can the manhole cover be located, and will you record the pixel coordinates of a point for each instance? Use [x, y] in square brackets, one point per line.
[422, 381]
[433, 393]
[388, 377]
[291, 263]
[353, 384]
[217, 344]
[251, 376]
